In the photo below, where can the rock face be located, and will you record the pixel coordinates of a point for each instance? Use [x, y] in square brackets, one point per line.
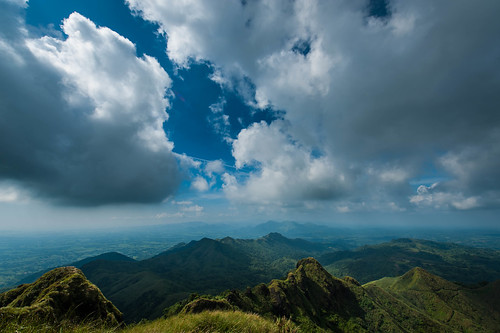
[417, 301]
[61, 295]
[309, 295]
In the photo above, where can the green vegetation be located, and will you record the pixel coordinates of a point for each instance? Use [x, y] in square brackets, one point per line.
[451, 261]
[23, 254]
[36, 326]
[452, 305]
[208, 321]
[62, 296]
[143, 289]
[315, 301]
[309, 299]
[215, 321]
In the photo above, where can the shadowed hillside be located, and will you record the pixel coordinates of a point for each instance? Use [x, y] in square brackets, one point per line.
[315, 300]
[109, 256]
[309, 299]
[453, 262]
[143, 289]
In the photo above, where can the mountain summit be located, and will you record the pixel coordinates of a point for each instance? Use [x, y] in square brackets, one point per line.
[61, 295]
[317, 301]
[142, 289]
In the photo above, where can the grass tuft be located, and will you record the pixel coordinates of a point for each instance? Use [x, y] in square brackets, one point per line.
[215, 321]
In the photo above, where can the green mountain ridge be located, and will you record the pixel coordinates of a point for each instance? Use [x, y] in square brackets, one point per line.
[142, 289]
[26, 253]
[453, 262]
[444, 301]
[308, 299]
[63, 295]
[317, 301]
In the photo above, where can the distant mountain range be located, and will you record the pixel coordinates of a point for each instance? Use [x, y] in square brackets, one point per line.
[25, 253]
[109, 256]
[453, 262]
[303, 294]
[142, 289]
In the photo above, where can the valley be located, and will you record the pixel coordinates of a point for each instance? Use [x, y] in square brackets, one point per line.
[308, 299]
[142, 289]
[24, 254]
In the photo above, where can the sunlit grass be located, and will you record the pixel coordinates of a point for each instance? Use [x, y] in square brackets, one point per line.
[214, 321]
[205, 322]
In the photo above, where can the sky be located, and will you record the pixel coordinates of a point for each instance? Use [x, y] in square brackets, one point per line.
[353, 112]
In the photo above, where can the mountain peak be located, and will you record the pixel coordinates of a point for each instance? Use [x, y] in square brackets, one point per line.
[419, 279]
[309, 273]
[417, 273]
[311, 268]
[274, 236]
[307, 292]
[418, 270]
[62, 294]
[308, 262]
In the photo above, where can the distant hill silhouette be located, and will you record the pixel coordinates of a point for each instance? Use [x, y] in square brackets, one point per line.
[109, 256]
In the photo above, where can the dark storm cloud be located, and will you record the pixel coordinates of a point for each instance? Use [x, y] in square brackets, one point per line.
[75, 130]
[427, 97]
[387, 92]
[433, 87]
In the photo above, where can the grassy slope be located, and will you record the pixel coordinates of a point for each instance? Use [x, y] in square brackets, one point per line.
[210, 266]
[62, 295]
[215, 321]
[314, 301]
[143, 289]
[451, 305]
[209, 321]
[415, 302]
[453, 262]
[309, 295]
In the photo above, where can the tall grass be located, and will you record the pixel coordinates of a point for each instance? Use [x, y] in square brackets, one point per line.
[215, 321]
[204, 322]
[36, 327]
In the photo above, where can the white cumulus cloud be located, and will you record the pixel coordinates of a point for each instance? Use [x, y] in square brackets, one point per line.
[286, 172]
[81, 117]
[399, 93]
[200, 184]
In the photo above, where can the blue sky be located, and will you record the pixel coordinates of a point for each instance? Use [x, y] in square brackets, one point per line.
[147, 112]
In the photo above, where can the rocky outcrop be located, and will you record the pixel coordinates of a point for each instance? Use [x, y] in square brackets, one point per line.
[61, 295]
